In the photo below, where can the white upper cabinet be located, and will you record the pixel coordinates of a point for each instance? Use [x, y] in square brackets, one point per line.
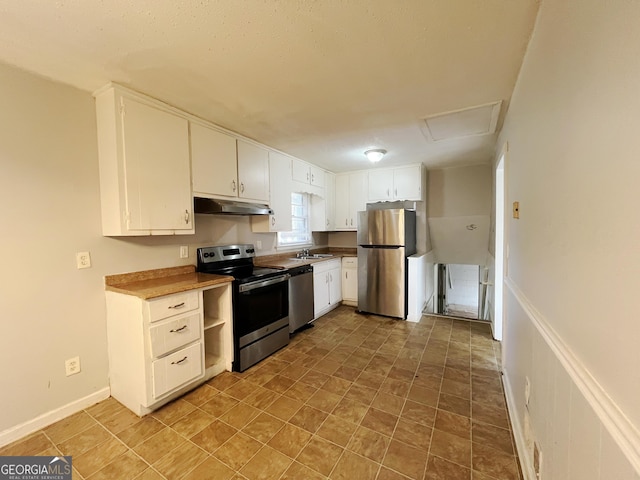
[400, 183]
[213, 162]
[350, 198]
[279, 198]
[253, 172]
[323, 211]
[304, 172]
[145, 173]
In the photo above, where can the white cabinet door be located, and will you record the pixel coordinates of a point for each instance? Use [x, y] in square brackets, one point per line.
[323, 208]
[213, 162]
[317, 176]
[357, 197]
[350, 280]
[380, 185]
[300, 171]
[145, 169]
[253, 172]
[342, 202]
[279, 198]
[407, 183]
[320, 292]
[335, 285]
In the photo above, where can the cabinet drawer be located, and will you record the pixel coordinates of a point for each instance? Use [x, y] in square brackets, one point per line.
[174, 333]
[171, 305]
[326, 265]
[176, 369]
[349, 262]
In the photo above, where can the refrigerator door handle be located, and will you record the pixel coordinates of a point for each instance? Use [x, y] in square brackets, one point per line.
[388, 247]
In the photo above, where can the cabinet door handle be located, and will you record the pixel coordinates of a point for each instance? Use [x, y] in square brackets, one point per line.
[273, 221]
[178, 362]
[233, 186]
[307, 176]
[346, 222]
[330, 278]
[241, 187]
[177, 305]
[396, 192]
[312, 178]
[327, 222]
[352, 222]
[186, 217]
[346, 275]
[178, 330]
[387, 192]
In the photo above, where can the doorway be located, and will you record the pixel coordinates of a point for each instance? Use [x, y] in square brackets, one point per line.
[460, 291]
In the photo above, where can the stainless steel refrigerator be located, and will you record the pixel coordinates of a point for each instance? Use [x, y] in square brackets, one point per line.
[385, 239]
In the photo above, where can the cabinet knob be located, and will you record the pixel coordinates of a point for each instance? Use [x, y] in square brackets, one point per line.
[241, 187]
[312, 178]
[233, 186]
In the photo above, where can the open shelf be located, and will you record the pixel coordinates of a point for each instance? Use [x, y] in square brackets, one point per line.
[210, 322]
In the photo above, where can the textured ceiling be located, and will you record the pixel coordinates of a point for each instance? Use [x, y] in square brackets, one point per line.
[322, 80]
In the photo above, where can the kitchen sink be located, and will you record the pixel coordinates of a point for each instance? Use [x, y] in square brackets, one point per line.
[312, 256]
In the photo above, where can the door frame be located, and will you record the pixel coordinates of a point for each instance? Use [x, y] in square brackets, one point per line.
[501, 244]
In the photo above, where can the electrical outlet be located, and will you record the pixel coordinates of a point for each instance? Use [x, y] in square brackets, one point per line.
[259, 244]
[527, 391]
[72, 366]
[184, 251]
[83, 260]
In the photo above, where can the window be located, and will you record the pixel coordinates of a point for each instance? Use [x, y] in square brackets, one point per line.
[301, 233]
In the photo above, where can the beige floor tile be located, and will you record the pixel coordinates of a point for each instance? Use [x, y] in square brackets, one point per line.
[441, 469]
[426, 396]
[200, 395]
[314, 378]
[388, 474]
[308, 418]
[223, 381]
[337, 386]
[300, 391]
[192, 423]
[354, 467]
[297, 471]
[388, 403]
[237, 451]
[408, 460]
[370, 444]
[214, 436]
[413, 434]
[139, 432]
[155, 447]
[320, 455]
[240, 415]
[453, 404]
[347, 373]
[31, 445]
[494, 463]
[419, 413]
[219, 405]
[263, 427]
[149, 474]
[350, 410]
[380, 421]
[104, 409]
[294, 371]
[498, 438]
[85, 440]
[290, 440]
[180, 461]
[337, 430]
[261, 398]
[127, 465]
[284, 407]
[173, 411]
[97, 457]
[68, 427]
[451, 447]
[324, 401]
[267, 464]
[210, 469]
[240, 390]
[452, 423]
[279, 384]
[497, 416]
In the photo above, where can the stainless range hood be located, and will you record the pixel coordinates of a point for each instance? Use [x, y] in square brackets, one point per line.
[229, 207]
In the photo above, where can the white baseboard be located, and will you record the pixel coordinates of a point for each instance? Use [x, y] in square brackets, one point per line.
[613, 419]
[15, 433]
[526, 462]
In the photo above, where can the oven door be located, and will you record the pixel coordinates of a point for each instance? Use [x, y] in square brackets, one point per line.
[258, 305]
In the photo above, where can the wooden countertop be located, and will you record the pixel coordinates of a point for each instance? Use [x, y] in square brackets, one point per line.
[149, 284]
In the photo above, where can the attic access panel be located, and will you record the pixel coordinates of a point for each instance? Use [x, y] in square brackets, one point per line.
[467, 122]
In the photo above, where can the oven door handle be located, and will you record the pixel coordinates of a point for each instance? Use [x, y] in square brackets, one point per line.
[264, 283]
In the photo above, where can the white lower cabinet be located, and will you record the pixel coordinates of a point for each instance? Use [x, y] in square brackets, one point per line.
[327, 290]
[160, 348]
[350, 281]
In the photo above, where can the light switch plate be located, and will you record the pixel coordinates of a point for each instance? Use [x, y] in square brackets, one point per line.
[184, 251]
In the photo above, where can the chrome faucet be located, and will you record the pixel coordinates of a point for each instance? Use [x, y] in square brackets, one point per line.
[303, 253]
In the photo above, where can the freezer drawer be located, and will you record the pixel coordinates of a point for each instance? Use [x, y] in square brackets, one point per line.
[381, 281]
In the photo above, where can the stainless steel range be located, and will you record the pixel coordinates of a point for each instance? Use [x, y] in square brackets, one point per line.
[260, 302]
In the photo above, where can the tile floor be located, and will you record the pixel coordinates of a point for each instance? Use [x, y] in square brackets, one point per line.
[355, 397]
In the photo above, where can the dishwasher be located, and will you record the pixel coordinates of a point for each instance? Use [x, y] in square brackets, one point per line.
[300, 297]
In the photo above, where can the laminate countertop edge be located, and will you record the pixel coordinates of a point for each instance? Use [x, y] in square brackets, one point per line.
[150, 284]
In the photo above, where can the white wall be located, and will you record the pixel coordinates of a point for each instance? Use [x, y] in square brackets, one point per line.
[49, 210]
[572, 324]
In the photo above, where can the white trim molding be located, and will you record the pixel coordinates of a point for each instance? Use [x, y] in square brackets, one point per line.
[22, 430]
[526, 462]
[613, 419]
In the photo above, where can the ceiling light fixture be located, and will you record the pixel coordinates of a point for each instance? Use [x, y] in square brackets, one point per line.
[375, 155]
